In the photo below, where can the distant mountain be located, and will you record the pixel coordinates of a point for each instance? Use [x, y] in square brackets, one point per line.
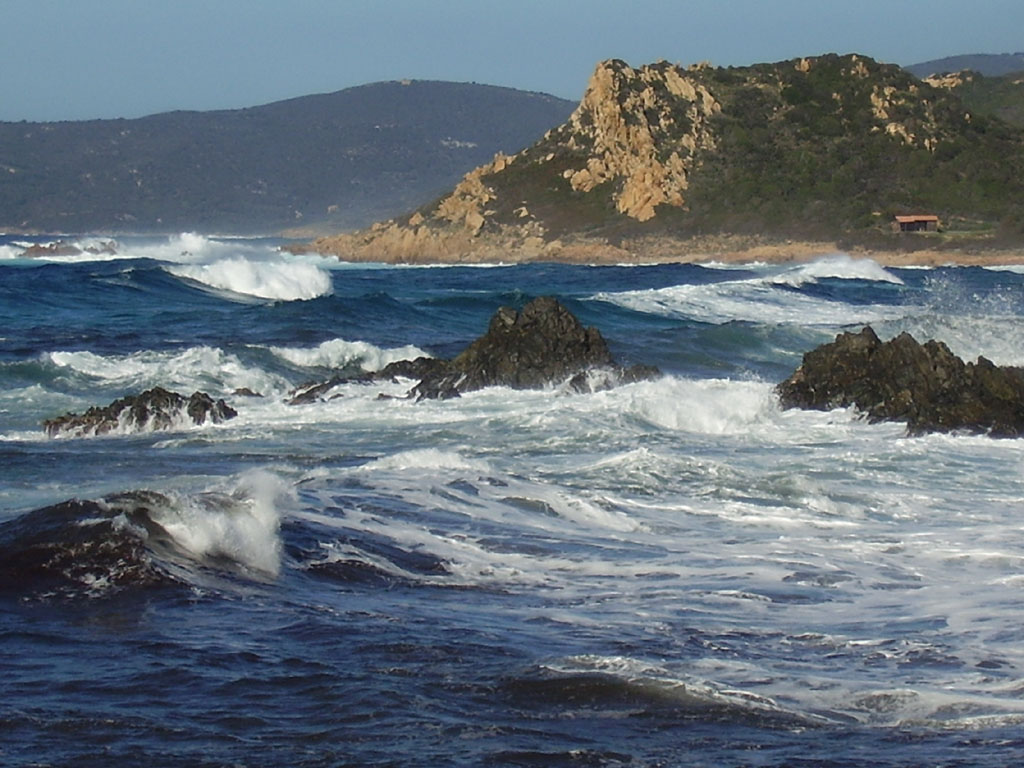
[817, 147]
[324, 162]
[988, 64]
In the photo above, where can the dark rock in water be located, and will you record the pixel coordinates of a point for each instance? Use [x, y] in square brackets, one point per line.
[82, 548]
[154, 409]
[401, 369]
[541, 345]
[925, 385]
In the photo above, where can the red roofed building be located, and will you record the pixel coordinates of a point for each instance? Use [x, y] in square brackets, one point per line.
[916, 223]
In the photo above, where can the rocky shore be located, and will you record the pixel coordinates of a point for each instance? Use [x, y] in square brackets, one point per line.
[390, 243]
[924, 385]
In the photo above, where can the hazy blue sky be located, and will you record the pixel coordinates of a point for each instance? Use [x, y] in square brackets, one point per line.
[77, 59]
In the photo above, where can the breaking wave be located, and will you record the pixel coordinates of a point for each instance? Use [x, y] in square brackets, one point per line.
[143, 539]
[339, 353]
[276, 281]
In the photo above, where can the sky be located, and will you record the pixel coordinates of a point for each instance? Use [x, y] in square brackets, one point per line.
[87, 59]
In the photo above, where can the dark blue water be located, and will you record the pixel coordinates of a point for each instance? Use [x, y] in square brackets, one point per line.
[670, 573]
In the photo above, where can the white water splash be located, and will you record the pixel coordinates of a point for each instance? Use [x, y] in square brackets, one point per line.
[339, 353]
[240, 524]
[836, 266]
[195, 368]
[277, 281]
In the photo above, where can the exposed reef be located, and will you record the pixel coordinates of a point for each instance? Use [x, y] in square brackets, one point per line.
[154, 409]
[541, 345]
[924, 385]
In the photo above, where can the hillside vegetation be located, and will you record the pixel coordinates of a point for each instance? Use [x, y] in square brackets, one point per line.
[327, 162]
[831, 146]
[1001, 97]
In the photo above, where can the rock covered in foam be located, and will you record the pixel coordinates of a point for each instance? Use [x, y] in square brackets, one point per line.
[154, 409]
[82, 548]
[925, 385]
[530, 349]
[541, 345]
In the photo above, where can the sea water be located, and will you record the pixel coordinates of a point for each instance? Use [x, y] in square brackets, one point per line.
[671, 572]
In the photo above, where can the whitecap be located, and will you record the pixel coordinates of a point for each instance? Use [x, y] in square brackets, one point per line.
[277, 281]
[705, 406]
[836, 266]
[427, 459]
[240, 523]
[759, 300]
[203, 368]
[339, 353]
[767, 298]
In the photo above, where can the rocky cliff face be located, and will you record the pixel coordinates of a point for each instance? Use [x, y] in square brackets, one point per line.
[641, 128]
[661, 149]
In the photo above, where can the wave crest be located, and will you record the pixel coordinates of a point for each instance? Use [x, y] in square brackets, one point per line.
[339, 353]
[277, 280]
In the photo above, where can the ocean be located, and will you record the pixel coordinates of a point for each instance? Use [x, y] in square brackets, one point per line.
[670, 572]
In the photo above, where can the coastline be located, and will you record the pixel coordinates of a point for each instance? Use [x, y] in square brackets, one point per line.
[401, 245]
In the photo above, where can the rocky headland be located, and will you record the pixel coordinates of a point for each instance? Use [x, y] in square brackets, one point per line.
[782, 161]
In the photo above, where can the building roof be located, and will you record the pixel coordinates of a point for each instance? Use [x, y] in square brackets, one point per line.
[922, 217]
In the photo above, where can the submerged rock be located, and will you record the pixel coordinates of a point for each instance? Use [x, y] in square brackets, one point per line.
[154, 409]
[925, 385]
[400, 369]
[83, 548]
[541, 345]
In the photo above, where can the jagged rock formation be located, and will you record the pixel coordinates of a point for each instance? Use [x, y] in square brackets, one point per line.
[650, 156]
[154, 409]
[812, 147]
[925, 385]
[541, 345]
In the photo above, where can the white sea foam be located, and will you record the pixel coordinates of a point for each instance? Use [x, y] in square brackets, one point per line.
[706, 406]
[339, 353]
[760, 299]
[837, 266]
[193, 368]
[278, 281]
[9, 252]
[240, 523]
[765, 298]
[432, 459]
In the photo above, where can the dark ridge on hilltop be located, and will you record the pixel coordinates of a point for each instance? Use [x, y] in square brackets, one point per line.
[323, 162]
[988, 64]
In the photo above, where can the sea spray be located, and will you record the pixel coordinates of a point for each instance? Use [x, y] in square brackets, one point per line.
[240, 525]
[340, 353]
[276, 281]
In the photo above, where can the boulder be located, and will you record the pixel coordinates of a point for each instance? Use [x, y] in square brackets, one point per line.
[540, 345]
[154, 409]
[924, 385]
